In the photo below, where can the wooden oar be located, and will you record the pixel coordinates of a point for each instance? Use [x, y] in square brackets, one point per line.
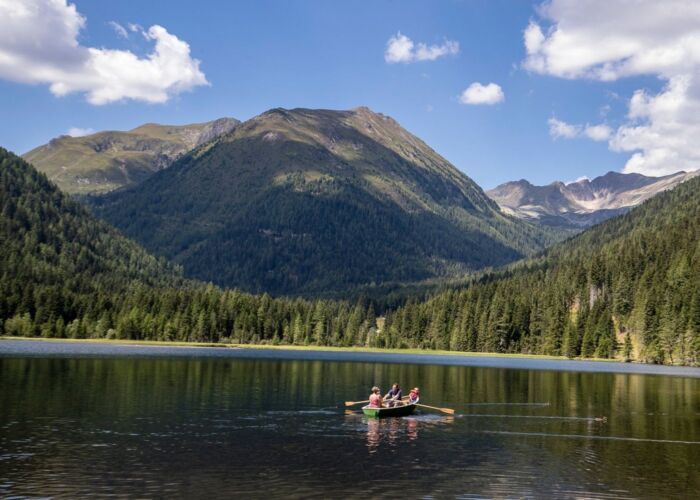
[352, 403]
[449, 411]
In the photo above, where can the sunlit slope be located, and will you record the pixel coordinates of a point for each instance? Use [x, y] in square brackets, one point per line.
[105, 161]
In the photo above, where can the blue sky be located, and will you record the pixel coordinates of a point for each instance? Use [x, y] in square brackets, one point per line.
[320, 54]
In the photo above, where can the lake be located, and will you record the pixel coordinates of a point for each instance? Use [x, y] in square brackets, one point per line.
[138, 421]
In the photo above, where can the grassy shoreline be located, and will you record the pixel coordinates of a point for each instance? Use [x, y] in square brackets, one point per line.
[163, 343]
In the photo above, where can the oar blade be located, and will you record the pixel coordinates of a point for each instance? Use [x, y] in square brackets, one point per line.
[448, 410]
[353, 403]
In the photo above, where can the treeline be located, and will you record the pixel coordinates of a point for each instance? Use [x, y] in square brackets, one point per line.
[202, 314]
[628, 288]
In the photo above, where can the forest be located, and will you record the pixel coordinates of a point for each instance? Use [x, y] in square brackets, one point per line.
[628, 288]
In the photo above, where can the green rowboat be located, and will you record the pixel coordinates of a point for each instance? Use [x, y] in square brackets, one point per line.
[394, 411]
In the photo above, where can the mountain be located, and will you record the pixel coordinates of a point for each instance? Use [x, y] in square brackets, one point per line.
[584, 202]
[104, 161]
[308, 201]
[628, 288]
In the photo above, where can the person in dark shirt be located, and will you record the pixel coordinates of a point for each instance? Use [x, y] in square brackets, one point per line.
[393, 397]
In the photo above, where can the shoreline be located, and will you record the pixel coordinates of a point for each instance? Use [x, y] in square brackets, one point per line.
[312, 348]
[23, 347]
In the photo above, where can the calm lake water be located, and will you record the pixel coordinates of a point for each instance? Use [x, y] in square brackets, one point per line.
[80, 420]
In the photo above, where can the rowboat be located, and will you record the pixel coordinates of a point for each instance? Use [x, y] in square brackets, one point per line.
[394, 411]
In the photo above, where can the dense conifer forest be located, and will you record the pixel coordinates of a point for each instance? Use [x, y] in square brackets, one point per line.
[629, 288]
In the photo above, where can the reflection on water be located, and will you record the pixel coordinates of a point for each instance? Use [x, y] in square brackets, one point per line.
[200, 427]
[390, 431]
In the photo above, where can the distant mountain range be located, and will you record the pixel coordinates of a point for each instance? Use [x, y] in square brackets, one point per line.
[105, 161]
[582, 203]
[309, 201]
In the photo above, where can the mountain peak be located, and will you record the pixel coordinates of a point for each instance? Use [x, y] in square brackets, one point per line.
[582, 202]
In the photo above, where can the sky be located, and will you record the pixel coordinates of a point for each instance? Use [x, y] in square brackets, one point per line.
[504, 89]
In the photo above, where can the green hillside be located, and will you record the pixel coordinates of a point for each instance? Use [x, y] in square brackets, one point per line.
[628, 288]
[310, 201]
[105, 161]
[65, 274]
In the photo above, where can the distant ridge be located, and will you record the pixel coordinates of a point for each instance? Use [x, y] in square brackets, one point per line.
[105, 161]
[584, 202]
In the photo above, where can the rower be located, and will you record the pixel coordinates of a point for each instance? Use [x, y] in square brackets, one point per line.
[375, 399]
[414, 395]
[393, 396]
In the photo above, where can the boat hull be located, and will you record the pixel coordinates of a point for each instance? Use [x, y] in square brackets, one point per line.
[396, 411]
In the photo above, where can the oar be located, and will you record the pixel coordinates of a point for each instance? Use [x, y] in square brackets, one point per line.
[449, 411]
[352, 403]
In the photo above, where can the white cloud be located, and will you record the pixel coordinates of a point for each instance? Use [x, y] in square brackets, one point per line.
[611, 39]
[598, 132]
[39, 44]
[79, 132]
[119, 29]
[477, 93]
[560, 129]
[401, 49]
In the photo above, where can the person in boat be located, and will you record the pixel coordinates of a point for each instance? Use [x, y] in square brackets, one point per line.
[375, 399]
[414, 395]
[393, 397]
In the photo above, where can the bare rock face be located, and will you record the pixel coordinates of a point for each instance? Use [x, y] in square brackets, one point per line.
[584, 202]
[106, 161]
[216, 129]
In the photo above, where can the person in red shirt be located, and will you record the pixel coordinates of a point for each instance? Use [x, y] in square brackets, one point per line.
[375, 399]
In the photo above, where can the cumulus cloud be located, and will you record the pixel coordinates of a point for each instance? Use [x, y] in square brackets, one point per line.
[598, 132]
[79, 132]
[559, 129]
[401, 49]
[477, 93]
[611, 39]
[39, 44]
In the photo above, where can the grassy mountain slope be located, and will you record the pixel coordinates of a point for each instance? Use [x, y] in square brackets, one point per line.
[105, 161]
[627, 288]
[304, 201]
